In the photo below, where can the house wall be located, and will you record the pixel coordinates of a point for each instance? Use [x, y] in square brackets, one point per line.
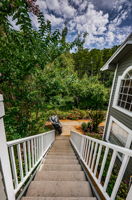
[2, 190]
[120, 116]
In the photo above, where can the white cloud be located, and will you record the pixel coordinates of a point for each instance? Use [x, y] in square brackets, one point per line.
[53, 4]
[67, 10]
[77, 2]
[13, 23]
[83, 16]
[42, 4]
[55, 20]
[83, 5]
[93, 22]
[34, 21]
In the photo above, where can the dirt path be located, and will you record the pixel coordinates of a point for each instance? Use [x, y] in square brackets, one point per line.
[72, 125]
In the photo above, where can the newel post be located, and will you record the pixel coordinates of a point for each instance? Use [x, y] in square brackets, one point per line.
[4, 157]
[129, 196]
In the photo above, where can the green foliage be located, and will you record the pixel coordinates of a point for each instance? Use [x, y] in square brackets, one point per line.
[62, 89]
[95, 135]
[23, 55]
[90, 61]
[71, 114]
[84, 126]
[37, 73]
[96, 117]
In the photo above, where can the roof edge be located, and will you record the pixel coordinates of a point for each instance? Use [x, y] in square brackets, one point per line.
[125, 43]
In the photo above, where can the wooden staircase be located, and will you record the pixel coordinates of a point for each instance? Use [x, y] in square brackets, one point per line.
[60, 177]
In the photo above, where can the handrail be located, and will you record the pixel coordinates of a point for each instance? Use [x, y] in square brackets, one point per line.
[21, 140]
[94, 154]
[25, 154]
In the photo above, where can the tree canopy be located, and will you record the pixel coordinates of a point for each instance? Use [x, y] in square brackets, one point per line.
[38, 72]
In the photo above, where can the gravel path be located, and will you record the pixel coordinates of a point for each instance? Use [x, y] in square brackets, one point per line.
[71, 125]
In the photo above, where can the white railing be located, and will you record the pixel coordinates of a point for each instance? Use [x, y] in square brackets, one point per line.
[94, 154]
[25, 154]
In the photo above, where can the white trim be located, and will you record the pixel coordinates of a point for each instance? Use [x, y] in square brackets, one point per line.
[129, 113]
[110, 100]
[106, 66]
[84, 156]
[129, 138]
[129, 196]
[4, 157]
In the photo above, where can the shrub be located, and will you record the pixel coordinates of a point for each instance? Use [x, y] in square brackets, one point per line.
[84, 126]
[96, 117]
[90, 126]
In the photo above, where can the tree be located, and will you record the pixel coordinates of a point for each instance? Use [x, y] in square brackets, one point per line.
[23, 55]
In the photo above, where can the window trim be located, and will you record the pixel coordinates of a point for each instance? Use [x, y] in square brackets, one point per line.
[125, 111]
[129, 138]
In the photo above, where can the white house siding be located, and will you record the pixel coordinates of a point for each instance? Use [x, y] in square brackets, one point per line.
[120, 116]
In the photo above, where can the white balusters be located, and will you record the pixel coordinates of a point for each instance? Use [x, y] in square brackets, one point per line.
[120, 176]
[110, 169]
[93, 159]
[103, 163]
[91, 152]
[20, 161]
[25, 157]
[97, 161]
[27, 153]
[33, 153]
[13, 165]
[94, 154]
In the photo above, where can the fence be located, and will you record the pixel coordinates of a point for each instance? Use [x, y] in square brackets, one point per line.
[94, 154]
[25, 154]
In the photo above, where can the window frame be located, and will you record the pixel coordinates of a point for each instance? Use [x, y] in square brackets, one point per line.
[116, 96]
[129, 138]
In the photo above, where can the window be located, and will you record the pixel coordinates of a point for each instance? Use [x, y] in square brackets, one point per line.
[123, 94]
[118, 133]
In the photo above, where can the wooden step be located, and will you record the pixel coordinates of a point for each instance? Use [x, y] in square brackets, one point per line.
[62, 149]
[71, 157]
[59, 198]
[62, 138]
[61, 161]
[61, 153]
[59, 189]
[60, 176]
[57, 167]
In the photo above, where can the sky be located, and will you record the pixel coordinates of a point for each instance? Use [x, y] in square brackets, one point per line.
[107, 22]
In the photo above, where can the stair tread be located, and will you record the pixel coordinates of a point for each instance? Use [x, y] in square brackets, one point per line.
[59, 189]
[60, 176]
[61, 153]
[61, 161]
[61, 157]
[59, 198]
[57, 167]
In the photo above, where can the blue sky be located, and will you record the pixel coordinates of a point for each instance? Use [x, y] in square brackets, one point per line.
[107, 22]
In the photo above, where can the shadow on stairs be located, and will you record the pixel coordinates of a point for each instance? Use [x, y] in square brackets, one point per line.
[60, 177]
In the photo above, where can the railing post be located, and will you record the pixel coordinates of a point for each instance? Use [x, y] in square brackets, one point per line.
[5, 163]
[129, 196]
[81, 146]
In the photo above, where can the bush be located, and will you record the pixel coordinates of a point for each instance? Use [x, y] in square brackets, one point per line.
[72, 114]
[84, 126]
[96, 117]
